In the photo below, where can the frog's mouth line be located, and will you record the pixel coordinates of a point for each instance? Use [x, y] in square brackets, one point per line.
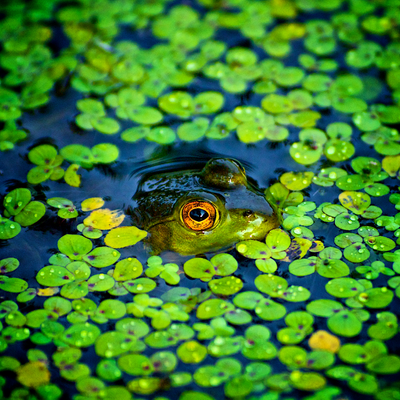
[163, 221]
[174, 220]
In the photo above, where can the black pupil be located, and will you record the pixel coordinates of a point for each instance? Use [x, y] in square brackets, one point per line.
[198, 214]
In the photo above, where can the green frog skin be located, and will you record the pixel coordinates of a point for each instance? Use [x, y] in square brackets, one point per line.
[194, 212]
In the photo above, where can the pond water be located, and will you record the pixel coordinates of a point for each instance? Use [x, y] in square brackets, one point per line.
[96, 96]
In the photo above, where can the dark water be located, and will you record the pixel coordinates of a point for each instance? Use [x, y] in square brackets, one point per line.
[117, 183]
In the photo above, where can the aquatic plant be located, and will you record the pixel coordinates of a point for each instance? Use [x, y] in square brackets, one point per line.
[19, 211]
[322, 90]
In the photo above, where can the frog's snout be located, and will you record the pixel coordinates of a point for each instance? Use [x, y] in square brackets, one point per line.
[253, 219]
[260, 223]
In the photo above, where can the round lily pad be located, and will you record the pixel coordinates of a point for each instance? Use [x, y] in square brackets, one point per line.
[323, 340]
[108, 126]
[213, 308]
[191, 131]
[307, 380]
[112, 344]
[144, 115]
[305, 153]
[54, 275]
[270, 310]
[105, 153]
[178, 103]
[297, 181]
[127, 269]
[224, 264]
[140, 285]
[81, 335]
[162, 135]
[333, 269]
[226, 286]
[248, 300]
[304, 267]
[108, 370]
[13, 285]
[191, 352]
[16, 200]
[102, 257]
[344, 323]
[386, 364]
[199, 268]
[8, 229]
[238, 386]
[343, 287]
[355, 201]
[253, 249]
[338, 150]
[75, 289]
[100, 283]
[74, 246]
[376, 297]
[271, 284]
[8, 265]
[356, 253]
[135, 133]
[208, 102]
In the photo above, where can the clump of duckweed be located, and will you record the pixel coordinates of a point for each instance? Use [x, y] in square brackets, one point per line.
[168, 272]
[66, 208]
[48, 161]
[19, 211]
[47, 164]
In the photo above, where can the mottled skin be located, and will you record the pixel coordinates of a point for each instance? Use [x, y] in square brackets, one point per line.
[243, 211]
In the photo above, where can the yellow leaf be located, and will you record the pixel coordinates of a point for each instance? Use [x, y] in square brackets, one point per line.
[298, 249]
[283, 9]
[317, 246]
[92, 204]
[391, 164]
[71, 177]
[355, 201]
[124, 237]
[104, 219]
[323, 340]
[297, 180]
[48, 291]
[285, 32]
[33, 374]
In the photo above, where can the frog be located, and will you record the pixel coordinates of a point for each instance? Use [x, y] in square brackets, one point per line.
[192, 212]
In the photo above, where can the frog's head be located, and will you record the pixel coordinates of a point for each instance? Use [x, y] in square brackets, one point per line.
[193, 212]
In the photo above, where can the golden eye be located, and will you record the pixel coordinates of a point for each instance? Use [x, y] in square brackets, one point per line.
[199, 215]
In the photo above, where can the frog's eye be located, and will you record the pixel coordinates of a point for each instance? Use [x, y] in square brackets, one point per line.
[199, 215]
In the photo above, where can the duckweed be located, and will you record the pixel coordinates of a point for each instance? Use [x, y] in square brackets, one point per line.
[328, 277]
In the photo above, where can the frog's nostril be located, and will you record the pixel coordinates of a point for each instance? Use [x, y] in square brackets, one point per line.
[247, 213]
